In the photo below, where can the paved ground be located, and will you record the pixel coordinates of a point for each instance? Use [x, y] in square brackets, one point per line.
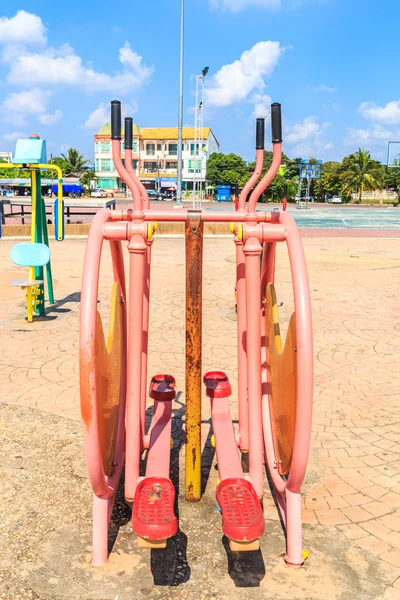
[352, 492]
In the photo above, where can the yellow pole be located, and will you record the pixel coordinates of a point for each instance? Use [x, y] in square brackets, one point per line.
[29, 301]
[33, 231]
[60, 211]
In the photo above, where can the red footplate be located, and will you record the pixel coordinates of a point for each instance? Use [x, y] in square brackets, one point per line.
[153, 515]
[242, 515]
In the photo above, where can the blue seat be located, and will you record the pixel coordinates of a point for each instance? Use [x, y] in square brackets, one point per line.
[30, 255]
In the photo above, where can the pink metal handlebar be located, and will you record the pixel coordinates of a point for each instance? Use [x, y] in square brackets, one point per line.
[253, 179]
[268, 177]
[129, 168]
[125, 176]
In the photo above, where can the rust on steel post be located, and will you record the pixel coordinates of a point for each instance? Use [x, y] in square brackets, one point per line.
[194, 275]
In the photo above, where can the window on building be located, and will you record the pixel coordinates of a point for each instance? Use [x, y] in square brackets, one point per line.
[105, 146]
[150, 167]
[106, 164]
[151, 149]
[135, 163]
[173, 149]
[192, 165]
[122, 145]
[192, 149]
[97, 164]
[135, 145]
[159, 147]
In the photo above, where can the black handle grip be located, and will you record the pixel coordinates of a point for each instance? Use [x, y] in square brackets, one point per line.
[285, 190]
[128, 133]
[276, 123]
[260, 134]
[115, 120]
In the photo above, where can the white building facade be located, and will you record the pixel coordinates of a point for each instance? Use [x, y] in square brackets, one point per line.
[155, 156]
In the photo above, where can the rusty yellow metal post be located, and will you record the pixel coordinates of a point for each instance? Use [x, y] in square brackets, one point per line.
[194, 277]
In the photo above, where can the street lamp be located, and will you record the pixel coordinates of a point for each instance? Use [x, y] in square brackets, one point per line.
[180, 110]
[199, 133]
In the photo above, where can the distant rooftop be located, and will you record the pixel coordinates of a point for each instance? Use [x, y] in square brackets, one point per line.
[158, 133]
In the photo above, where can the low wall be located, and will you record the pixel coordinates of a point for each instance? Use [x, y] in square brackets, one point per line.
[82, 229]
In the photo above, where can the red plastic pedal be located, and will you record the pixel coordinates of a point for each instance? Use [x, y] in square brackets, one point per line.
[242, 515]
[162, 388]
[217, 384]
[153, 515]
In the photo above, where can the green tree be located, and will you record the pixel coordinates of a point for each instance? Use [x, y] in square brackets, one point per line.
[87, 178]
[392, 181]
[330, 183]
[74, 161]
[227, 169]
[359, 172]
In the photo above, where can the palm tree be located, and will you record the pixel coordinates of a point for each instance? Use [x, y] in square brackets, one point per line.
[87, 178]
[361, 173]
[74, 161]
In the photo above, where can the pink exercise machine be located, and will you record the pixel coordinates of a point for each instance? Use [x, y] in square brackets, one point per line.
[275, 379]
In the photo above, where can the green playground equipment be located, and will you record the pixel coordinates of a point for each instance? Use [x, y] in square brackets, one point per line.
[30, 154]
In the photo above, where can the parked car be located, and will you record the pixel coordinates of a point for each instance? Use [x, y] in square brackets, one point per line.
[99, 193]
[335, 200]
[154, 195]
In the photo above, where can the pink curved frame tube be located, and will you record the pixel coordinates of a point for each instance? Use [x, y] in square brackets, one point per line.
[139, 184]
[252, 251]
[290, 488]
[243, 401]
[266, 180]
[134, 440]
[104, 488]
[125, 176]
[253, 179]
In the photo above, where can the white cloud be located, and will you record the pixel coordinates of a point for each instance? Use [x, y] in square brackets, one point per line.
[97, 118]
[51, 118]
[239, 5]
[388, 115]
[33, 101]
[375, 134]
[18, 105]
[262, 105]
[11, 137]
[101, 115]
[309, 128]
[326, 89]
[62, 66]
[24, 28]
[308, 137]
[15, 120]
[235, 81]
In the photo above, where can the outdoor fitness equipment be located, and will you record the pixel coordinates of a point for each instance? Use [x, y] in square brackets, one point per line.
[275, 380]
[30, 154]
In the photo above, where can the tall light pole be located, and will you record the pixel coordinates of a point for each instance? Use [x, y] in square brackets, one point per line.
[198, 138]
[180, 111]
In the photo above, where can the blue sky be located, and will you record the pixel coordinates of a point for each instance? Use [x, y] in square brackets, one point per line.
[333, 64]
